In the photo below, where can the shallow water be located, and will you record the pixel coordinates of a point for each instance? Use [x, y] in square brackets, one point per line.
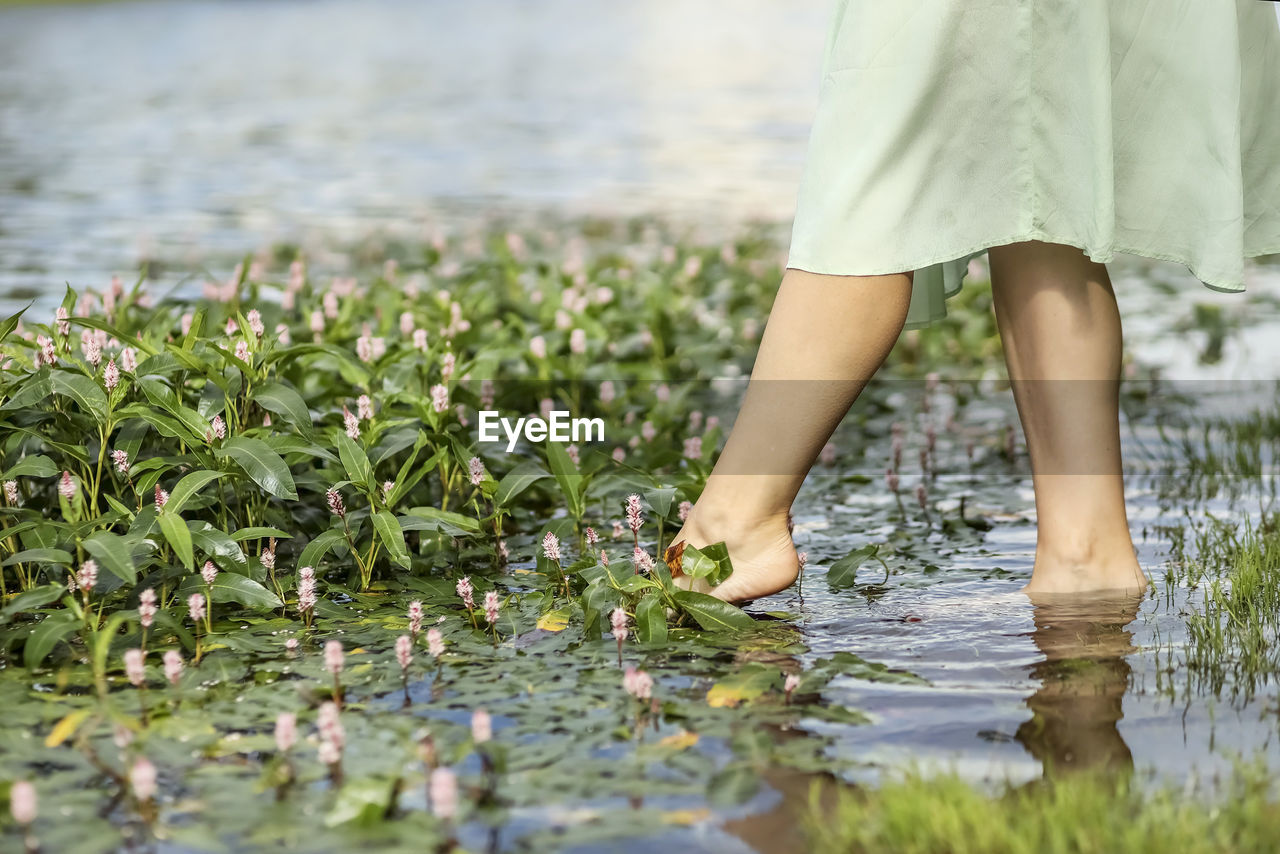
[196, 131]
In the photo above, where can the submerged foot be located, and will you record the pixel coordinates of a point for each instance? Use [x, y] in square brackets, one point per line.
[762, 553]
[1118, 575]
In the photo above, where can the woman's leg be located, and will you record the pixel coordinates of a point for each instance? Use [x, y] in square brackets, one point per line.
[825, 338]
[1060, 328]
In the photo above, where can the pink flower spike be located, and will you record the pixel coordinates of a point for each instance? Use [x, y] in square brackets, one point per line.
[218, 427]
[11, 492]
[491, 607]
[686, 508]
[195, 605]
[254, 318]
[364, 407]
[435, 643]
[592, 537]
[551, 547]
[415, 617]
[87, 577]
[286, 731]
[481, 726]
[142, 777]
[172, 666]
[162, 498]
[637, 683]
[147, 607]
[477, 471]
[111, 376]
[351, 423]
[133, 667]
[444, 794]
[333, 657]
[120, 459]
[404, 652]
[209, 572]
[22, 802]
[336, 506]
[67, 486]
[439, 398]
[618, 622]
[634, 519]
[466, 591]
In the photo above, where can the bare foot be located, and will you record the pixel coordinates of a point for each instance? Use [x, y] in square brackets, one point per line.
[762, 553]
[1114, 576]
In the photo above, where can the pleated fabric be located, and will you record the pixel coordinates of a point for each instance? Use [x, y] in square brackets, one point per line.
[945, 127]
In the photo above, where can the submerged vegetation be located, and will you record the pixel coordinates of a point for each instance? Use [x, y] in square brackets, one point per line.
[260, 572]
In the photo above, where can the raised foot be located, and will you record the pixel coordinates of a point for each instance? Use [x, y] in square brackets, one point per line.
[763, 556]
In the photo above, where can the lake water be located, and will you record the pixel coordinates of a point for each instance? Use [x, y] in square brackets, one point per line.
[201, 130]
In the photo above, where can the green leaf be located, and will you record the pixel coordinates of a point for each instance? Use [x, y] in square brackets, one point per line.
[288, 404]
[843, 573]
[445, 521]
[661, 499]
[36, 465]
[57, 556]
[190, 484]
[518, 480]
[651, 620]
[10, 323]
[319, 547]
[567, 476]
[264, 465]
[113, 552]
[392, 537]
[736, 783]
[30, 391]
[635, 583]
[36, 597]
[711, 613]
[164, 425]
[214, 542]
[45, 636]
[259, 534]
[356, 462]
[179, 536]
[230, 587]
[709, 562]
[87, 394]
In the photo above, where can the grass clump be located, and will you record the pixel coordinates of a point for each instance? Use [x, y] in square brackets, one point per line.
[1077, 814]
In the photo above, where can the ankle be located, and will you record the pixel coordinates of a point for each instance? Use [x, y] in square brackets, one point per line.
[725, 521]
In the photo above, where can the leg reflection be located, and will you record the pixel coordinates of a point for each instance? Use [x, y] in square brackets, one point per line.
[1083, 679]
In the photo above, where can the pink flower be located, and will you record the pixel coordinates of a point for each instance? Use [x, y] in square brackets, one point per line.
[147, 607]
[336, 507]
[435, 643]
[48, 350]
[330, 303]
[162, 498]
[634, 520]
[388, 486]
[641, 560]
[551, 547]
[333, 657]
[538, 347]
[184, 323]
[283, 338]
[120, 459]
[286, 731]
[232, 327]
[254, 318]
[618, 530]
[129, 359]
[790, 684]
[420, 339]
[572, 452]
[637, 683]
[22, 802]
[404, 651]
[619, 454]
[618, 622]
[111, 376]
[466, 591]
[291, 645]
[267, 558]
[330, 725]
[604, 558]
[133, 666]
[209, 572]
[491, 607]
[592, 536]
[242, 350]
[439, 398]
[477, 471]
[607, 392]
[447, 363]
[64, 324]
[803, 557]
[328, 752]
[195, 605]
[481, 726]
[444, 794]
[686, 508]
[693, 448]
[364, 407]
[578, 342]
[317, 323]
[172, 666]
[87, 577]
[406, 323]
[503, 553]
[891, 479]
[11, 491]
[415, 617]
[352, 424]
[364, 348]
[142, 777]
[648, 431]
[67, 487]
[306, 589]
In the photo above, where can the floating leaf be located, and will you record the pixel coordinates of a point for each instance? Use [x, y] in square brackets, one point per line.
[711, 613]
[554, 621]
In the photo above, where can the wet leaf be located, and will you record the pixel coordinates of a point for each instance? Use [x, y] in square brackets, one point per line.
[711, 613]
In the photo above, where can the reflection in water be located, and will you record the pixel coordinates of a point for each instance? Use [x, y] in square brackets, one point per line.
[1083, 679]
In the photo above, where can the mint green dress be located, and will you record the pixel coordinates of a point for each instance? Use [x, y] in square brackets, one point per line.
[944, 127]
